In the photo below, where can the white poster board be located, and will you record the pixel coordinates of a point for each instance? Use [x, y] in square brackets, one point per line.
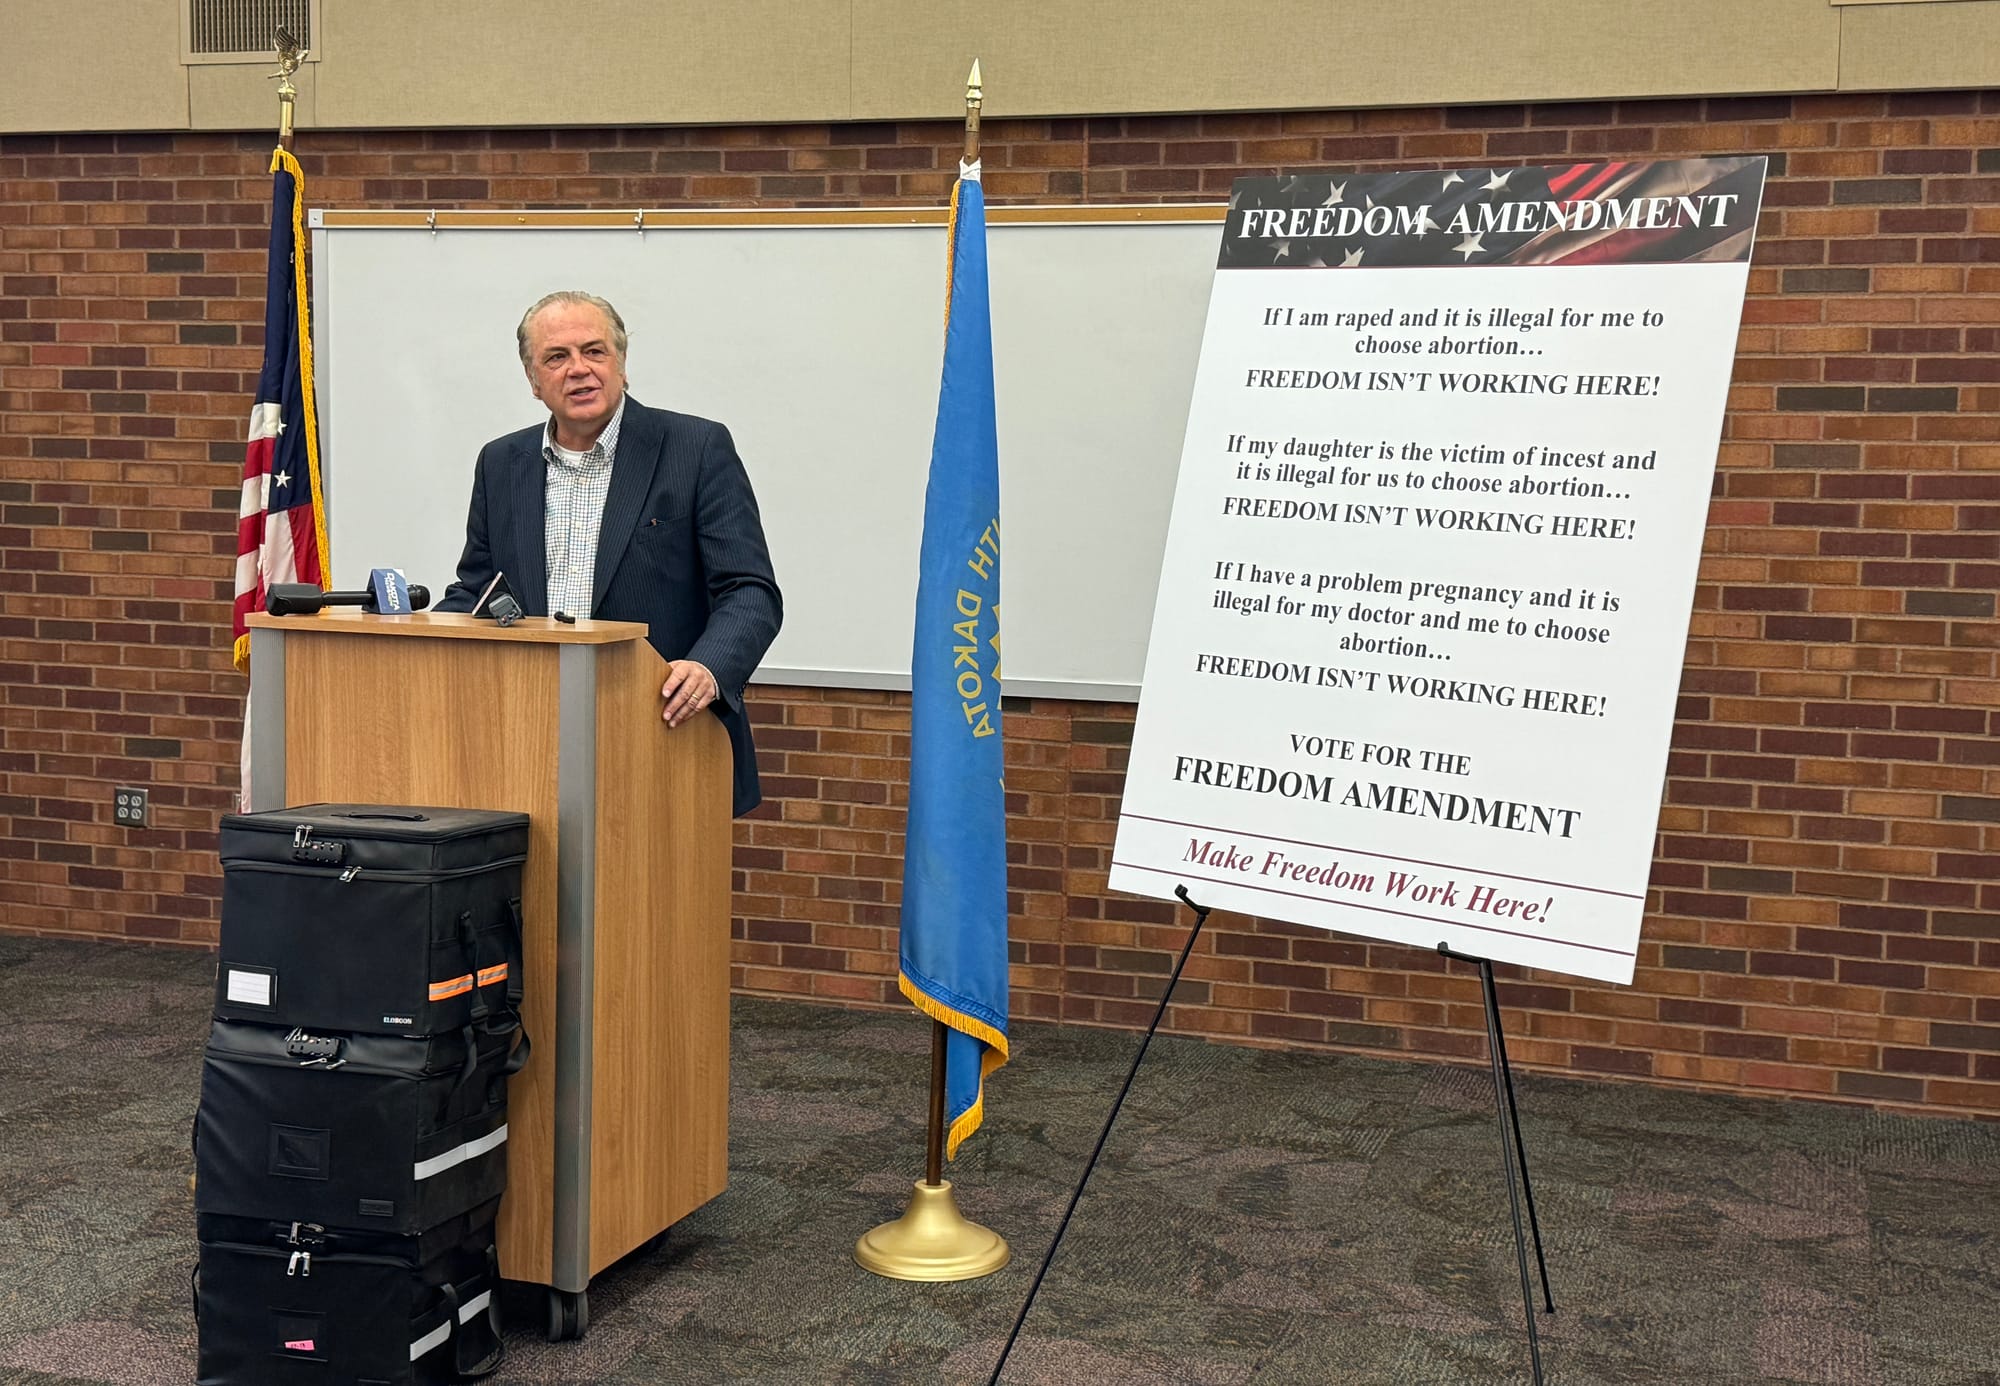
[1427, 581]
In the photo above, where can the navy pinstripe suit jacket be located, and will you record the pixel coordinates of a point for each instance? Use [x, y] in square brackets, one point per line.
[681, 549]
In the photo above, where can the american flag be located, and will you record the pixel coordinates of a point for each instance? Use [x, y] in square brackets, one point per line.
[281, 525]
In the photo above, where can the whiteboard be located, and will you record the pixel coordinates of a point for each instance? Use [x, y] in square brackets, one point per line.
[819, 345]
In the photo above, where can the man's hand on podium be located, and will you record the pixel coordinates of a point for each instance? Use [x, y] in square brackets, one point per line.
[689, 688]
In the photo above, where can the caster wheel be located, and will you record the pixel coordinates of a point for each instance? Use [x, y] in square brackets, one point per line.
[569, 1315]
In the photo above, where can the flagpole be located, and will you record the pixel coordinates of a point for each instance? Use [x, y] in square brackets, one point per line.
[290, 55]
[932, 1240]
[285, 283]
[975, 96]
[934, 1146]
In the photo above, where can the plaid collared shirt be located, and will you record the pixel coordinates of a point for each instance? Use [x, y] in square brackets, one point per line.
[573, 512]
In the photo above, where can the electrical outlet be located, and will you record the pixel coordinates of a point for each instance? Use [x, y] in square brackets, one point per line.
[128, 807]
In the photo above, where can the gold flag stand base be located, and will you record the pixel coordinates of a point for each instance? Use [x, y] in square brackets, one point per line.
[932, 1241]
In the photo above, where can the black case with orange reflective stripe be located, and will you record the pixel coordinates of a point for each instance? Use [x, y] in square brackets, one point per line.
[371, 919]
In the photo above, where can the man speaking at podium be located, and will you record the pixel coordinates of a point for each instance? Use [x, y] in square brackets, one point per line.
[624, 513]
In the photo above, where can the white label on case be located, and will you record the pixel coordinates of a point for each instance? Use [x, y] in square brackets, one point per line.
[249, 988]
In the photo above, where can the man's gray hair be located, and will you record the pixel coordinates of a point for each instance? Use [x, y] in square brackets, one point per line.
[575, 298]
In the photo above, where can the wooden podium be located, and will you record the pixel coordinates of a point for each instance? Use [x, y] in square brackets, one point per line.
[618, 1126]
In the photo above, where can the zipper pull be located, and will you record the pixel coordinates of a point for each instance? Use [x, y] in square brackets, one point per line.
[303, 1237]
[349, 874]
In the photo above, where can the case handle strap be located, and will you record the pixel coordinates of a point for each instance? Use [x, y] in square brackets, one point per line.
[517, 1058]
[516, 984]
[468, 949]
[471, 1037]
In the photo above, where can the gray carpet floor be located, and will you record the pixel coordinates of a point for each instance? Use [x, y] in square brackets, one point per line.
[1259, 1217]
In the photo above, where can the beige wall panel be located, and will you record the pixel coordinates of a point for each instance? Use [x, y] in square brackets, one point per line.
[91, 65]
[640, 62]
[1898, 47]
[114, 64]
[242, 96]
[1044, 57]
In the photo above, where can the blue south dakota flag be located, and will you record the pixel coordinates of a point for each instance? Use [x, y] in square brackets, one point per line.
[954, 928]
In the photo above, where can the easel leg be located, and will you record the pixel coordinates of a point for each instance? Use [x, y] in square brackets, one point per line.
[1159, 1013]
[1499, 1044]
[1513, 1156]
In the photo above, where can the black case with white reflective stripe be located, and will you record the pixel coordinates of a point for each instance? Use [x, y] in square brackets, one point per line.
[372, 1132]
[370, 918]
[283, 1303]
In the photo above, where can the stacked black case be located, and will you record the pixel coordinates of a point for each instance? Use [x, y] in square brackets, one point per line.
[284, 1303]
[351, 1138]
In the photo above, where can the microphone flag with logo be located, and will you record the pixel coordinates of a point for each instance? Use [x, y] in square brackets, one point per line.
[389, 592]
[954, 912]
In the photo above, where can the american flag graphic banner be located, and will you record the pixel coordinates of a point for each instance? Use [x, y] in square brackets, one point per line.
[281, 525]
[1678, 211]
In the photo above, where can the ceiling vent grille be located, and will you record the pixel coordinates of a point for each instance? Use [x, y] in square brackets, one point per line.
[242, 31]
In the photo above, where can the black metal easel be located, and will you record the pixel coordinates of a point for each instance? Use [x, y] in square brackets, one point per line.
[1200, 918]
[1513, 1155]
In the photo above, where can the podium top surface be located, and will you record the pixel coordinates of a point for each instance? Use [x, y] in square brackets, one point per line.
[545, 630]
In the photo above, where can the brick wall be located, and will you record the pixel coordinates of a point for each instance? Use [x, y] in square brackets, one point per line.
[1825, 911]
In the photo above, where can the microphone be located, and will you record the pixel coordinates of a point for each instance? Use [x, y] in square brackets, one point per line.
[303, 599]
